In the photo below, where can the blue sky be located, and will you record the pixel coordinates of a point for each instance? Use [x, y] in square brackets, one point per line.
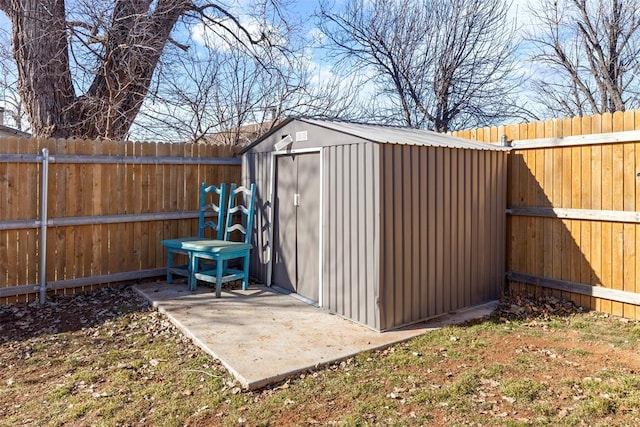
[303, 11]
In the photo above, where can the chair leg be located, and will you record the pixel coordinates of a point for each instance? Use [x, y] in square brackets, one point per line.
[196, 268]
[219, 277]
[245, 277]
[169, 266]
[192, 282]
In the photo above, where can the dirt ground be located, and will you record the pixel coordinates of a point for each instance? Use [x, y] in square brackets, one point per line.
[106, 358]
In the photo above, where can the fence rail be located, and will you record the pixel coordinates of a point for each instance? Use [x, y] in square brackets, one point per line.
[100, 215]
[573, 199]
[96, 220]
[132, 160]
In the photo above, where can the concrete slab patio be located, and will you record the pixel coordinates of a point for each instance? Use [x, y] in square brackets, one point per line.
[262, 336]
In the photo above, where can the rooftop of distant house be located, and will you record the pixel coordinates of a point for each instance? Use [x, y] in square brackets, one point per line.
[242, 135]
[8, 130]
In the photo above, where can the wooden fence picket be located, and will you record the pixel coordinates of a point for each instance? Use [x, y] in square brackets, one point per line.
[564, 253]
[85, 192]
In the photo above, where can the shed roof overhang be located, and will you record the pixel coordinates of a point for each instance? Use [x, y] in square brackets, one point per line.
[383, 135]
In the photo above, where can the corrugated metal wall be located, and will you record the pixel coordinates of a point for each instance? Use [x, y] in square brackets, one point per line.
[409, 232]
[351, 221]
[442, 239]
[256, 167]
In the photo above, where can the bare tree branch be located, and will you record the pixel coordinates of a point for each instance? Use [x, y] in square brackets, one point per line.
[15, 114]
[86, 70]
[224, 92]
[446, 63]
[590, 49]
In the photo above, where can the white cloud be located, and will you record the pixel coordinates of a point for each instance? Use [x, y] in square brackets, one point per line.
[317, 37]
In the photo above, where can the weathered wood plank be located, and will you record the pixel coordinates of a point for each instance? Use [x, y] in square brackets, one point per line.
[568, 234]
[532, 236]
[540, 200]
[629, 230]
[578, 140]
[86, 178]
[12, 210]
[101, 201]
[629, 120]
[576, 203]
[163, 196]
[71, 206]
[607, 123]
[586, 203]
[122, 243]
[583, 251]
[580, 288]
[56, 249]
[4, 213]
[593, 125]
[19, 210]
[78, 190]
[81, 195]
[618, 204]
[636, 285]
[522, 250]
[574, 227]
[145, 173]
[606, 239]
[32, 211]
[558, 228]
[596, 203]
[550, 129]
[546, 181]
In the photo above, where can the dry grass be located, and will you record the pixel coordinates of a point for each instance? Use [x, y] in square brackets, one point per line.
[114, 362]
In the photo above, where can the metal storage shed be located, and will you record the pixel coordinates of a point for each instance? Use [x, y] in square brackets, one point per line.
[385, 226]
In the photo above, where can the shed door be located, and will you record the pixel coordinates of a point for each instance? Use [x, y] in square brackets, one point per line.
[297, 216]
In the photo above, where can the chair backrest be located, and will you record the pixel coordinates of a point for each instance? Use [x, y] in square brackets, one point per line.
[248, 196]
[208, 210]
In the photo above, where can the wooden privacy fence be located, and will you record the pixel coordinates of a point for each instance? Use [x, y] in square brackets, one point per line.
[100, 212]
[573, 195]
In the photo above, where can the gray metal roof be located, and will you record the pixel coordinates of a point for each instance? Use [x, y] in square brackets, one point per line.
[9, 131]
[385, 135]
[403, 136]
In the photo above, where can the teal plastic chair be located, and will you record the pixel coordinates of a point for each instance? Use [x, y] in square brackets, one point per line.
[222, 251]
[210, 215]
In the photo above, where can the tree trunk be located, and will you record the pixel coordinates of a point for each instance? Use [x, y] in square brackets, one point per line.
[42, 58]
[126, 62]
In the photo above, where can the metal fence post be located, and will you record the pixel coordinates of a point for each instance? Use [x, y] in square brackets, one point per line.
[44, 195]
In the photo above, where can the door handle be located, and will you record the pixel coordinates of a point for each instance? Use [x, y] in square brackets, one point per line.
[296, 199]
